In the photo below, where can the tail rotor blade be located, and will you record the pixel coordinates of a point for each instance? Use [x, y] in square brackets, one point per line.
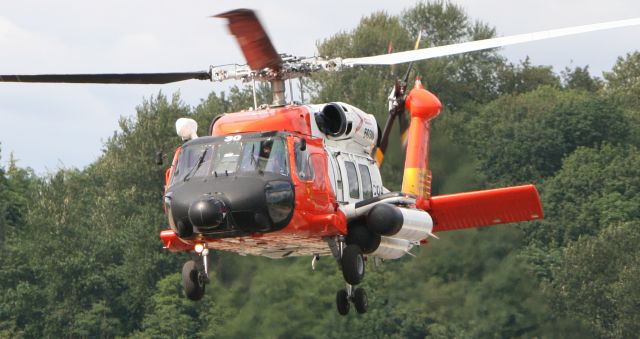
[403, 124]
[396, 111]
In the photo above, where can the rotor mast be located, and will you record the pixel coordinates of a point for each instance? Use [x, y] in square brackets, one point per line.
[278, 92]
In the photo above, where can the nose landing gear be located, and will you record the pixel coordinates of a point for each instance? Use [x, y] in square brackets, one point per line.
[195, 274]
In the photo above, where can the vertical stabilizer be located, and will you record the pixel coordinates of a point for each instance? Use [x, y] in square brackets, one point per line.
[423, 106]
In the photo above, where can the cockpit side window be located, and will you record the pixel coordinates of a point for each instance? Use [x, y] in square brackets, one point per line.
[304, 170]
[277, 158]
[187, 161]
[268, 155]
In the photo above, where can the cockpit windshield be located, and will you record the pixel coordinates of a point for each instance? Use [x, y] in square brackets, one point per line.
[232, 155]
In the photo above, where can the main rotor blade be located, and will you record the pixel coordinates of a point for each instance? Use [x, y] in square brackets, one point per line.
[113, 78]
[434, 52]
[253, 39]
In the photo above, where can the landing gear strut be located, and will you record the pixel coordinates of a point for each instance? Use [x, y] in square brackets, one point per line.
[195, 274]
[351, 261]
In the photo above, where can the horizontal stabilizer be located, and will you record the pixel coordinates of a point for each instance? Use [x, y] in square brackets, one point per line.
[485, 208]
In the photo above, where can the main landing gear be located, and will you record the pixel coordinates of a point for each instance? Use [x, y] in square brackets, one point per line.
[195, 274]
[351, 261]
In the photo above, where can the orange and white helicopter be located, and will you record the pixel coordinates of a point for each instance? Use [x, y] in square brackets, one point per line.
[288, 179]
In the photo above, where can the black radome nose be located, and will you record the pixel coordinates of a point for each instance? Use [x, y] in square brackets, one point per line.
[206, 212]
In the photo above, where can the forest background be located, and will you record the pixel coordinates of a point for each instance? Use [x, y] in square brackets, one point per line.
[80, 254]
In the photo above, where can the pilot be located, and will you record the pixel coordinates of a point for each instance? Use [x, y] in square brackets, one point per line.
[271, 160]
[265, 153]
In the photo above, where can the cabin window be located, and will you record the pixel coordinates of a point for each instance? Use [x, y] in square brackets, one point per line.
[352, 176]
[367, 191]
[303, 167]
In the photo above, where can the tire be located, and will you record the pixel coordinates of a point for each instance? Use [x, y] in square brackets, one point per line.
[352, 264]
[360, 300]
[342, 302]
[192, 281]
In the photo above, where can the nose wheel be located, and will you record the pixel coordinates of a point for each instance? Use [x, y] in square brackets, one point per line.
[195, 275]
[193, 281]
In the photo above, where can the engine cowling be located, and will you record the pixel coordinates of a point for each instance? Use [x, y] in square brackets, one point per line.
[338, 121]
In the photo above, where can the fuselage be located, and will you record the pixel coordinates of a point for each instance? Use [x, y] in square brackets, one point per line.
[226, 190]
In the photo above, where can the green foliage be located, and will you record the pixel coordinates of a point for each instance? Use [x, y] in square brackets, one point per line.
[523, 138]
[458, 80]
[594, 189]
[579, 78]
[171, 315]
[623, 84]
[525, 77]
[598, 281]
[585, 249]
[624, 78]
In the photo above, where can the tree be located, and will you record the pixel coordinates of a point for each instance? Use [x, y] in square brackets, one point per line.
[580, 79]
[525, 77]
[523, 138]
[596, 187]
[585, 249]
[458, 80]
[170, 313]
[623, 85]
[598, 281]
[624, 79]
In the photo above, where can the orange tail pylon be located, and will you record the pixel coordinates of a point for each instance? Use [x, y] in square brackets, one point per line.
[423, 106]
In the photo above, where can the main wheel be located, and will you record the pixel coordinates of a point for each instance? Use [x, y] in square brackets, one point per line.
[360, 300]
[342, 302]
[352, 264]
[192, 281]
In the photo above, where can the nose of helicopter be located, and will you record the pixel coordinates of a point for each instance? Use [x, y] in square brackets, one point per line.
[230, 206]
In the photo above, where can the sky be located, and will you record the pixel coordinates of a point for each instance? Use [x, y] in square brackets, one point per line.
[52, 126]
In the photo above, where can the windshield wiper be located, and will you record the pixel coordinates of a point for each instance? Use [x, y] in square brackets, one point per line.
[198, 164]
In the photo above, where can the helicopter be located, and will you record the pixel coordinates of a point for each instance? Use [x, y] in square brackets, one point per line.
[287, 179]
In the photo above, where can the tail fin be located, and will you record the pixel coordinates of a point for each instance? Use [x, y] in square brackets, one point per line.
[423, 106]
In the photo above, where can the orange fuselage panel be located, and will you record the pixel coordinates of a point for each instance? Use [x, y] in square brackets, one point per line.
[293, 119]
